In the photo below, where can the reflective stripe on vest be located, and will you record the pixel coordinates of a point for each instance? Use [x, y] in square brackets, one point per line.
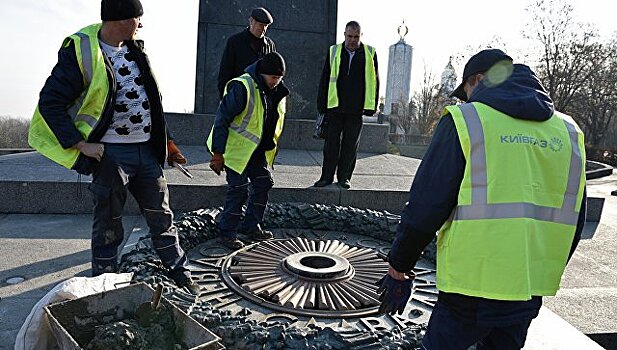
[250, 109]
[480, 209]
[86, 67]
[370, 76]
[87, 109]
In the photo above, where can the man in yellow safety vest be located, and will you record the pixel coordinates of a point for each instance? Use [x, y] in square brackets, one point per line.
[503, 181]
[348, 89]
[243, 142]
[100, 113]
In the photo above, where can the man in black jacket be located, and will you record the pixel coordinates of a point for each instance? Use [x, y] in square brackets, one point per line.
[244, 48]
[105, 111]
[348, 89]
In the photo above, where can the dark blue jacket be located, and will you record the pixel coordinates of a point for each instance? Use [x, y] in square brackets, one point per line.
[234, 102]
[434, 192]
[65, 85]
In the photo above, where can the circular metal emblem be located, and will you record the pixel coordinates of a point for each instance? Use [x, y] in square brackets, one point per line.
[314, 285]
[307, 277]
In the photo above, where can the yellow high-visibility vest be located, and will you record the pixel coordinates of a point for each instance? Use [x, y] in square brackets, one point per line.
[87, 110]
[246, 129]
[518, 205]
[370, 76]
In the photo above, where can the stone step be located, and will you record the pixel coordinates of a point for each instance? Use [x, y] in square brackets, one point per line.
[30, 183]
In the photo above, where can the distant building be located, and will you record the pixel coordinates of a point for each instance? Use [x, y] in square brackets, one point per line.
[448, 79]
[399, 72]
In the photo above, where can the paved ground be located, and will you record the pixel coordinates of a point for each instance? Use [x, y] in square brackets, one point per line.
[46, 249]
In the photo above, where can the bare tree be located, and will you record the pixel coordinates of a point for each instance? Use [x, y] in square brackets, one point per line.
[594, 105]
[429, 101]
[568, 52]
[576, 67]
[13, 132]
[404, 116]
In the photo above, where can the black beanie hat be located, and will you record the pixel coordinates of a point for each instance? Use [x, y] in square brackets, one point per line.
[117, 10]
[273, 64]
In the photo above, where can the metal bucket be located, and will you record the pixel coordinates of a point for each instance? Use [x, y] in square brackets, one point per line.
[73, 321]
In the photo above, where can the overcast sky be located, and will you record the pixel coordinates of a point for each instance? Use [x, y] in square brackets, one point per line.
[31, 32]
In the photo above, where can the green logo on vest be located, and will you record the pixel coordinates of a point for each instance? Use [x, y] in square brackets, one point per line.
[555, 144]
[523, 139]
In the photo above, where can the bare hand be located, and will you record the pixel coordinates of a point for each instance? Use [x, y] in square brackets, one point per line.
[92, 150]
[399, 276]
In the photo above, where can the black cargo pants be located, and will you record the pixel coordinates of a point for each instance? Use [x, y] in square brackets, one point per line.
[132, 167]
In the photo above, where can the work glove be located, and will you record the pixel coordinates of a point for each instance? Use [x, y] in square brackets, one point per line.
[394, 294]
[173, 154]
[217, 163]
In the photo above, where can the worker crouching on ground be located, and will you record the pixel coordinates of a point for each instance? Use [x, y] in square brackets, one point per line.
[243, 142]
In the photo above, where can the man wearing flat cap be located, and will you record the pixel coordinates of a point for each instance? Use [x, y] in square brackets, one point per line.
[244, 48]
[243, 142]
[503, 184]
[100, 113]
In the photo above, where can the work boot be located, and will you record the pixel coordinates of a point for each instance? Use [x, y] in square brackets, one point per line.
[322, 182]
[231, 242]
[258, 234]
[189, 284]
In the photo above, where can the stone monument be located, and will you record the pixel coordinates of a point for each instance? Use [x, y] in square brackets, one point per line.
[399, 71]
[302, 31]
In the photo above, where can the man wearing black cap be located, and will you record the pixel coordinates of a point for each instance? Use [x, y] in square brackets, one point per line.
[244, 48]
[243, 142]
[503, 183]
[348, 89]
[101, 114]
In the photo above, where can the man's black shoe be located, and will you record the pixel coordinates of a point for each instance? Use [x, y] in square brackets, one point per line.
[231, 243]
[346, 184]
[258, 234]
[322, 183]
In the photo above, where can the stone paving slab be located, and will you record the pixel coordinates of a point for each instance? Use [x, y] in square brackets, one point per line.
[40, 248]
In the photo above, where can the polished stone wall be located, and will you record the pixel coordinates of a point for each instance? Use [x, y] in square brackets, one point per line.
[302, 31]
[193, 130]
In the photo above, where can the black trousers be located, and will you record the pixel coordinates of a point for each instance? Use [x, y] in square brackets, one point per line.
[341, 145]
[238, 190]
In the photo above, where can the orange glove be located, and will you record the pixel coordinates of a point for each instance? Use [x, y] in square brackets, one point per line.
[173, 154]
[217, 163]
